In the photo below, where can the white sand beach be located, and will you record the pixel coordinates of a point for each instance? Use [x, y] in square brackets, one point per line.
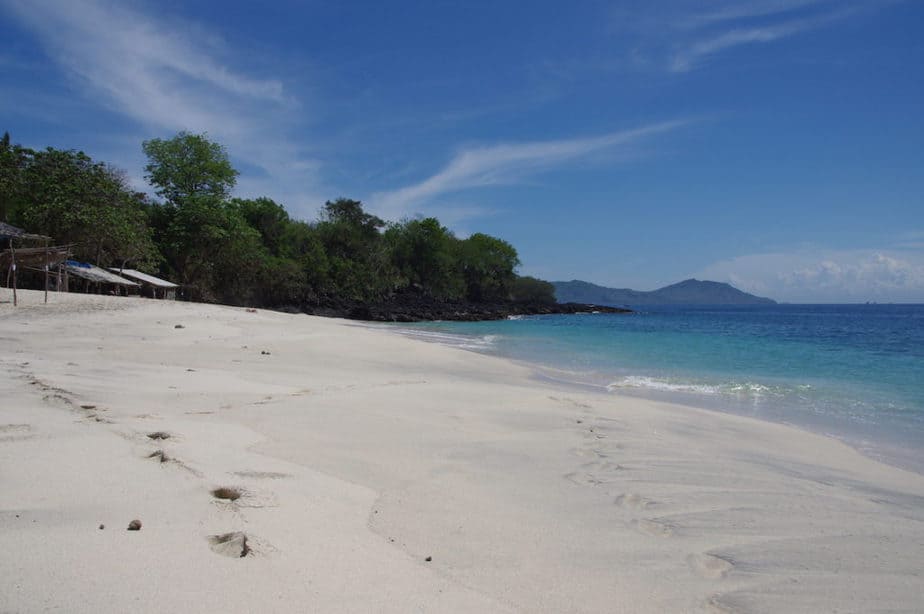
[377, 473]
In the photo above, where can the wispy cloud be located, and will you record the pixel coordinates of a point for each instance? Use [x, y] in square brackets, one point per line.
[685, 35]
[170, 76]
[742, 11]
[505, 164]
[740, 33]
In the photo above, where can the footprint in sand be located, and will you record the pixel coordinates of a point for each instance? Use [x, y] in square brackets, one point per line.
[571, 402]
[15, 428]
[16, 432]
[605, 466]
[239, 545]
[594, 432]
[226, 493]
[234, 545]
[632, 501]
[264, 475]
[57, 398]
[709, 566]
[584, 479]
[163, 458]
[241, 498]
[653, 528]
[590, 452]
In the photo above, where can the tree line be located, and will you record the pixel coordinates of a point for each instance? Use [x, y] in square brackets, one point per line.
[246, 251]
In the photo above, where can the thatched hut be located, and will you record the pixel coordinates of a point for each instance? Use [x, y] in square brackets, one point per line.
[98, 281]
[34, 259]
[153, 287]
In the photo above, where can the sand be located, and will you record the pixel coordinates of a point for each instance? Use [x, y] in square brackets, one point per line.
[360, 471]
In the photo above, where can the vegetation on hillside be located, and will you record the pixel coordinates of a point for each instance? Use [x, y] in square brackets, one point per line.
[246, 251]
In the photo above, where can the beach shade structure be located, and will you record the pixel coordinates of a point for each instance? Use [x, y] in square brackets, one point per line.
[40, 259]
[8, 231]
[153, 287]
[100, 281]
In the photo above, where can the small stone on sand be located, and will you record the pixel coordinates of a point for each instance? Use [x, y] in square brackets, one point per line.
[134, 525]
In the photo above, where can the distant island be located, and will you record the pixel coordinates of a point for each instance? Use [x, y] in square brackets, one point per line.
[689, 292]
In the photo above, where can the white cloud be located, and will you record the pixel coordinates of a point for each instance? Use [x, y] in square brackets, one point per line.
[686, 34]
[503, 164]
[170, 76]
[689, 57]
[745, 11]
[813, 275]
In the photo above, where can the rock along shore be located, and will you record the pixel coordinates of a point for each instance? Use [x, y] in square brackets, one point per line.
[420, 309]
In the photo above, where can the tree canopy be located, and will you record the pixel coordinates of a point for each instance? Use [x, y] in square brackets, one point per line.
[188, 166]
[246, 250]
[67, 195]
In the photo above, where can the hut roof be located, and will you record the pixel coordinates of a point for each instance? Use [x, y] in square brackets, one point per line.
[144, 277]
[8, 231]
[35, 256]
[94, 273]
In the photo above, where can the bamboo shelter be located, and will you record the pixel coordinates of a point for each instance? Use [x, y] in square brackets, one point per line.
[153, 287]
[40, 259]
[98, 280]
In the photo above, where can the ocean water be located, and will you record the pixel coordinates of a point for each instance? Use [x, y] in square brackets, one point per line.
[855, 372]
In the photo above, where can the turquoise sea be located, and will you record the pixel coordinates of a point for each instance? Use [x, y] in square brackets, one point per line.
[855, 372]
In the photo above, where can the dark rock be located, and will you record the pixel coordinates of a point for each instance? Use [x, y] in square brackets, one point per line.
[134, 525]
[415, 307]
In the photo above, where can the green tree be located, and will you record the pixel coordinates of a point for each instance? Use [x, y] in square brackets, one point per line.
[532, 290]
[302, 244]
[188, 166]
[347, 230]
[238, 262]
[206, 240]
[423, 252]
[358, 261]
[488, 266]
[13, 161]
[77, 201]
[268, 218]
[201, 240]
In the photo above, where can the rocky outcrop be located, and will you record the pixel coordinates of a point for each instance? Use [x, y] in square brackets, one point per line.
[418, 308]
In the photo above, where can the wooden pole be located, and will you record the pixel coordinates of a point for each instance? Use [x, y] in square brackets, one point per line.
[67, 275]
[13, 267]
[46, 271]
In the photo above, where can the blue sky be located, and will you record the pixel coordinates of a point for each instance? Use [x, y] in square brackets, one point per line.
[774, 144]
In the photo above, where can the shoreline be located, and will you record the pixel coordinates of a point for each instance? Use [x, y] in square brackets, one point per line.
[358, 454]
[884, 446]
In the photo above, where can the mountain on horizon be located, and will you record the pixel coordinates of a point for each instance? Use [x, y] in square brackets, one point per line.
[688, 292]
